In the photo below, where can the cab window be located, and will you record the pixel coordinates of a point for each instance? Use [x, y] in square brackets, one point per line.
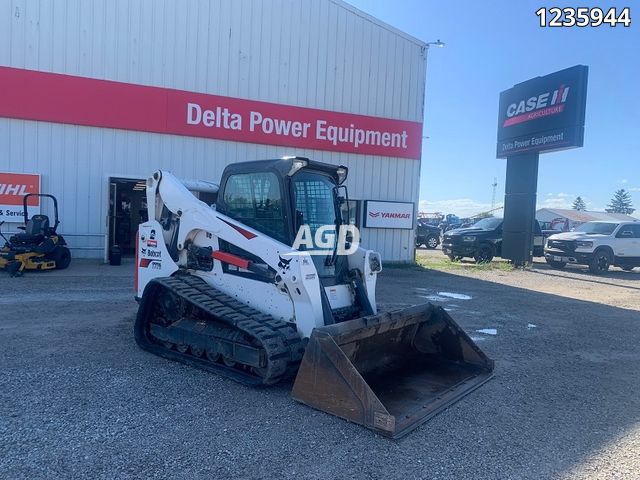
[255, 199]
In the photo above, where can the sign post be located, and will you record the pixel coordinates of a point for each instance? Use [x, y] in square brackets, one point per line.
[544, 114]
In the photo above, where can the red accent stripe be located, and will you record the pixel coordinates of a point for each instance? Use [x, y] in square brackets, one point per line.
[145, 262]
[245, 233]
[231, 259]
[135, 270]
[543, 112]
[53, 97]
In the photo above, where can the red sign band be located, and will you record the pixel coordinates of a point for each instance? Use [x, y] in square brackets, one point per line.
[52, 97]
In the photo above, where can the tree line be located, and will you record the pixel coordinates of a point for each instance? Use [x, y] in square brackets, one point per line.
[620, 203]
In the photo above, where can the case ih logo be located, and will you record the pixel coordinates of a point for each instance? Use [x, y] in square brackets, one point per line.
[544, 105]
[389, 215]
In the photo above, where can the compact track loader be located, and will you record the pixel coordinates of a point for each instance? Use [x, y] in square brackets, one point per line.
[38, 247]
[221, 288]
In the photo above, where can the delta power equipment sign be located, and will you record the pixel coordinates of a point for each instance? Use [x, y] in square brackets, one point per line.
[13, 188]
[70, 99]
[543, 114]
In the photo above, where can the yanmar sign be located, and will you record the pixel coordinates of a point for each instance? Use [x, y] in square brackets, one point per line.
[13, 188]
[378, 214]
[543, 114]
[100, 103]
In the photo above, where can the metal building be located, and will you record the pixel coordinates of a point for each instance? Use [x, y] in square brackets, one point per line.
[91, 142]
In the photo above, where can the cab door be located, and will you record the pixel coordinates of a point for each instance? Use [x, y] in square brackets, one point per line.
[635, 243]
[627, 242]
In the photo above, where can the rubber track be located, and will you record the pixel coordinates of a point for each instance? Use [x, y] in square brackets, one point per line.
[280, 340]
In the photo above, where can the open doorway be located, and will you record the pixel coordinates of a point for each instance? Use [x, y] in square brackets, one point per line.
[127, 209]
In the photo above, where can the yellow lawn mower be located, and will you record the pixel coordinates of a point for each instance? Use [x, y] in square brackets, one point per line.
[39, 247]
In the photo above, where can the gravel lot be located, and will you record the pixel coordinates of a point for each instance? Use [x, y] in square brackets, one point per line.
[78, 399]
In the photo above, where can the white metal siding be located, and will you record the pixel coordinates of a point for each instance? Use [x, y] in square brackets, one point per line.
[317, 53]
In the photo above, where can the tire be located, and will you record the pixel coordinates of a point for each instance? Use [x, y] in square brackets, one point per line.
[418, 243]
[432, 242]
[62, 257]
[556, 265]
[454, 258]
[627, 269]
[484, 253]
[600, 262]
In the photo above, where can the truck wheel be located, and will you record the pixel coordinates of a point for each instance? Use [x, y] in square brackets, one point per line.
[418, 243]
[432, 242]
[454, 258]
[485, 253]
[600, 262]
[62, 257]
[556, 265]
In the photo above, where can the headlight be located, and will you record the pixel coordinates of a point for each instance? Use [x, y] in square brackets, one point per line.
[467, 238]
[584, 244]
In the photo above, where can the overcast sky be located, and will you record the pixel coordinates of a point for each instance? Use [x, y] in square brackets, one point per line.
[490, 46]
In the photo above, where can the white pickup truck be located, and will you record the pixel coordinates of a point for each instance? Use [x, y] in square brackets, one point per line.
[598, 245]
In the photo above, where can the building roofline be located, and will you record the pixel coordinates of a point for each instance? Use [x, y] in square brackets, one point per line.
[379, 22]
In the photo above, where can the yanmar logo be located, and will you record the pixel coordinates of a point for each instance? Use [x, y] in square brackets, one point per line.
[389, 215]
[543, 105]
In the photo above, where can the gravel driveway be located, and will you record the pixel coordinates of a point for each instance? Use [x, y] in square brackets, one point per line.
[78, 399]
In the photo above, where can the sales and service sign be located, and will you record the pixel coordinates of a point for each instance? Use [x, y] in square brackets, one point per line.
[13, 188]
[51, 97]
[543, 114]
[378, 214]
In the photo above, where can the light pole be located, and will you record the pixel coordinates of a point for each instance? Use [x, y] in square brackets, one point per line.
[438, 43]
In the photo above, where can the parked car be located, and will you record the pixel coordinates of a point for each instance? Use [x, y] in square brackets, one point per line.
[597, 245]
[427, 234]
[483, 241]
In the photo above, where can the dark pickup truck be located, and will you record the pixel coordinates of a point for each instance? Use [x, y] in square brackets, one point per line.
[483, 241]
[427, 234]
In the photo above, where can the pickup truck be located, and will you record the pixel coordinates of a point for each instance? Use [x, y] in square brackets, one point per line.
[483, 241]
[598, 245]
[427, 234]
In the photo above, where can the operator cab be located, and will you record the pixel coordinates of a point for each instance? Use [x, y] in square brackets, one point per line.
[277, 197]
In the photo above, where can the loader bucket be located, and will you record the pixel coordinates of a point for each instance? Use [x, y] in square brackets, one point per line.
[392, 371]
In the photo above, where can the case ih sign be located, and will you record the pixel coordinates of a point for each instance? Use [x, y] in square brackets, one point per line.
[13, 187]
[543, 114]
[75, 100]
[379, 214]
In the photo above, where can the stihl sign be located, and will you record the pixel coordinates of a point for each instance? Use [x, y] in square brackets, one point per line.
[85, 101]
[388, 214]
[13, 188]
[543, 114]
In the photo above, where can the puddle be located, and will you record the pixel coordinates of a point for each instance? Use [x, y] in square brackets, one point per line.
[457, 296]
[488, 331]
[435, 298]
[531, 325]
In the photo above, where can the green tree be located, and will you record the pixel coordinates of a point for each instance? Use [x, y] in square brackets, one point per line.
[621, 203]
[578, 204]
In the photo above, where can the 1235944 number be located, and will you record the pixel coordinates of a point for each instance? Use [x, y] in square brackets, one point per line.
[583, 17]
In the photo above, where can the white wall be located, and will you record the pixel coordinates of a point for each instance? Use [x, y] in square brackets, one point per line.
[317, 53]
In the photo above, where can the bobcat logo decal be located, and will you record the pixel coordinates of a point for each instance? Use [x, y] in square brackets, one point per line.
[284, 263]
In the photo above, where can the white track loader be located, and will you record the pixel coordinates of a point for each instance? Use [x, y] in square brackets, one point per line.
[221, 288]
